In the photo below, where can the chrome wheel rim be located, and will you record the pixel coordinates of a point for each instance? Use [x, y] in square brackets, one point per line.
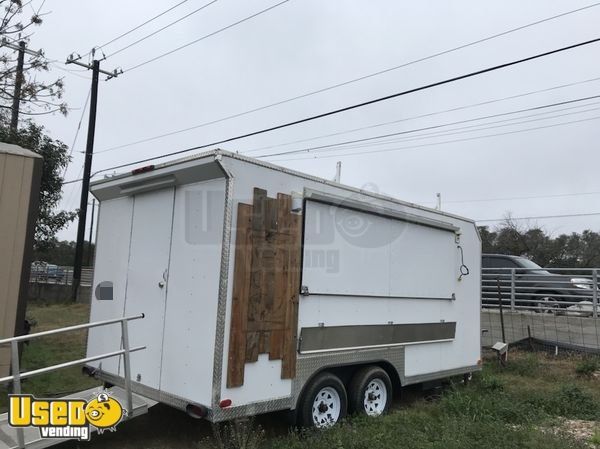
[326, 408]
[375, 398]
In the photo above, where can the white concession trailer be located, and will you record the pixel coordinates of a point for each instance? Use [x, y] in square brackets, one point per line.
[266, 289]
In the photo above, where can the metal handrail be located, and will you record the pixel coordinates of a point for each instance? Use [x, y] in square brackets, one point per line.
[70, 328]
[48, 369]
[125, 352]
[539, 269]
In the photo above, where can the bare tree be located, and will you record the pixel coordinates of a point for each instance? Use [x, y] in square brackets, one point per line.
[38, 95]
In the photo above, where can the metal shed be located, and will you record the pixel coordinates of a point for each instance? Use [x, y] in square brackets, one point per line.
[20, 175]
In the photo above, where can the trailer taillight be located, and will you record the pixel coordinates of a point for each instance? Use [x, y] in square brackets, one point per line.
[145, 169]
[196, 411]
[225, 403]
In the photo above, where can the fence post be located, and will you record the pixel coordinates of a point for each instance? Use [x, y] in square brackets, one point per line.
[595, 294]
[127, 366]
[512, 289]
[16, 384]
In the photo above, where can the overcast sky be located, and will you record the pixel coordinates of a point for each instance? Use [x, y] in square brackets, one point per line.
[306, 45]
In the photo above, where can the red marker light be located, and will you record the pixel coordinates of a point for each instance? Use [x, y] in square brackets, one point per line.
[225, 403]
[145, 169]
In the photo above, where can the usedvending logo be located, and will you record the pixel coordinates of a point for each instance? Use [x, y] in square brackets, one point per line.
[66, 418]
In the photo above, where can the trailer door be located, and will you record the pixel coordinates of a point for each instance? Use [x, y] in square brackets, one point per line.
[147, 281]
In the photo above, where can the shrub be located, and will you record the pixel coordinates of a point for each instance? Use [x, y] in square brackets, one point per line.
[588, 366]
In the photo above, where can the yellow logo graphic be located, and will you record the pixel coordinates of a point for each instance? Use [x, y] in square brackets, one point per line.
[104, 412]
[66, 418]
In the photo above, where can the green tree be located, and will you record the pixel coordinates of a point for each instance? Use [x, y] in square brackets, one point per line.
[56, 158]
[569, 251]
[38, 95]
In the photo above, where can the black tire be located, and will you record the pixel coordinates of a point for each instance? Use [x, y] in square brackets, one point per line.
[322, 381]
[358, 390]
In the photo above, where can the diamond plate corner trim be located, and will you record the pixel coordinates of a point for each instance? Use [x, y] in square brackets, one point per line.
[223, 284]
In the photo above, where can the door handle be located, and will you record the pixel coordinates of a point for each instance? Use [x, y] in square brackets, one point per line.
[165, 274]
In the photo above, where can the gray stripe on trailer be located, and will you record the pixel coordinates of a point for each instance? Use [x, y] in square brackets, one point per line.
[337, 337]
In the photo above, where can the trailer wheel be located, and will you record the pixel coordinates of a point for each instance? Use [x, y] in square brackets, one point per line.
[370, 391]
[324, 402]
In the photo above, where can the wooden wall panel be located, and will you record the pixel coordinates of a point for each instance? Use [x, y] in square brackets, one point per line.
[266, 285]
[241, 289]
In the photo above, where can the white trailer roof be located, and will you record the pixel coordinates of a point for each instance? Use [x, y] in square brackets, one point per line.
[187, 162]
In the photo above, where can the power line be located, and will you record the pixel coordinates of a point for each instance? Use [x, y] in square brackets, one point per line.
[513, 198]
[162, 29]
[471, 128]
[370, 152]
[139, 26]
[426, 128]
[206, 36]
[387, 150]
[78, 129]
[363, 104]
[429, 114]
[354, 80]
[536, 217]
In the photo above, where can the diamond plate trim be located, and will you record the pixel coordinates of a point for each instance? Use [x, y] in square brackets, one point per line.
[223, 283]
[309, 365]
[148, 392]
[256, 408]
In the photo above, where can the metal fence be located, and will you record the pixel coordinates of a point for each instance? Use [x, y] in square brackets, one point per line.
[61, 275]
[552, 306]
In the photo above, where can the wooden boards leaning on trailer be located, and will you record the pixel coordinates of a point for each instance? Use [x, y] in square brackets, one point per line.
[266, 284]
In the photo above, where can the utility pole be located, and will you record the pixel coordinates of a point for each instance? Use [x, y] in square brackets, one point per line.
[89, 257]
[19, 78]
[87, 168]
[14, 119]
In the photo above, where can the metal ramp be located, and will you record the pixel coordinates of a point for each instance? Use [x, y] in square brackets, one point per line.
[9, 438]
[30, 437]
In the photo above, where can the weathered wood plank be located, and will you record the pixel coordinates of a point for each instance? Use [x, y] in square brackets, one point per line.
[288, 363]
[282, 286]
[241, 293]
[255, 320]
[252, 346]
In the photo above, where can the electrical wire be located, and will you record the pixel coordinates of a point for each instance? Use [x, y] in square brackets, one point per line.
[364, 103]
[453, 131]
[514, 198]
[77, 131]
[536, 217]
[138, 27]
[354, 80]
[206, 36]
[387, 150]
[162, 29]
[429, 114]
[426, 128]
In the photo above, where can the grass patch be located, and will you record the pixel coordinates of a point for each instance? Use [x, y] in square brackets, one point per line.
[588, 366]
[505, 407]
[54, 349]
